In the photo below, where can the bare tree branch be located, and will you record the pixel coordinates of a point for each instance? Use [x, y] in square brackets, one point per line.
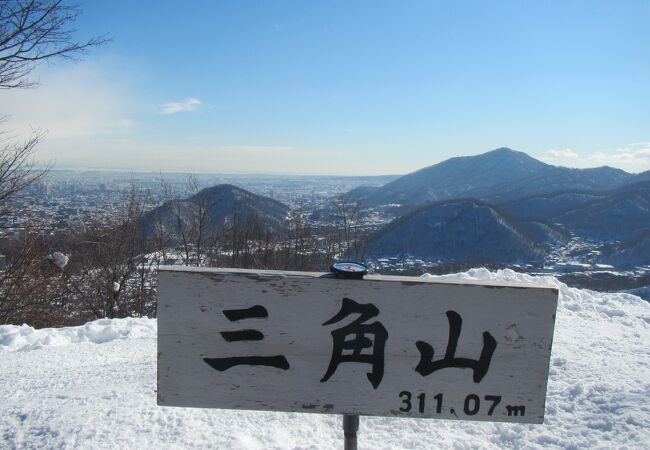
[37, 30]
[17, 167]
[31, 31]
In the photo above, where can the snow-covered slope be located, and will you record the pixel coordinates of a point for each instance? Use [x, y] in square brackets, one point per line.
[94, 387]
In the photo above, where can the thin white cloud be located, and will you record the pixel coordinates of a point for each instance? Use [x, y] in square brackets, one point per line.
[190, 104]
[633, 154]
[91, 116]
[633, 157]
[566, 153]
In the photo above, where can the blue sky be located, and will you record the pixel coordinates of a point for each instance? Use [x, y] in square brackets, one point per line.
[350, 87]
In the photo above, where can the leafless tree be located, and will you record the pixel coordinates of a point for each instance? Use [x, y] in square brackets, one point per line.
[198, 221]
[240, 231]
[330, 245]
[184, 224]
[299, 243]
[31, 287]
[161, 234]
[32, 31]
[352, 236]
[179, 231]
[113, 271]
[17, 167]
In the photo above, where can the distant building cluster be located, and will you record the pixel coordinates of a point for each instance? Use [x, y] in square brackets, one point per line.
[69, 198]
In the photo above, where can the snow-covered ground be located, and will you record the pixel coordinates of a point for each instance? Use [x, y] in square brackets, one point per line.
[94, 387]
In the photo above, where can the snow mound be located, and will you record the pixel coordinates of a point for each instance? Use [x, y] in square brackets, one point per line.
[23, 338]
[505, 275]
[94, 386]
[58, 259]
[609, 305]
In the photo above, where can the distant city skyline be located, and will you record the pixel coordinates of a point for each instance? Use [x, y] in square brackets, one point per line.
[344, 88]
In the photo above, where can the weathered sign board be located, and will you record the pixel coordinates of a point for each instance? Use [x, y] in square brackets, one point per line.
[386, 346]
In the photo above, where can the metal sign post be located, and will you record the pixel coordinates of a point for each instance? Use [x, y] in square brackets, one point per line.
[350, 428]
[349, 270]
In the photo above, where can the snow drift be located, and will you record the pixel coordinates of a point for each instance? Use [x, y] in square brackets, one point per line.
[94, 387]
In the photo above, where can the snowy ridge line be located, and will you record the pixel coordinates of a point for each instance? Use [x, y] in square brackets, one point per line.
[16, 338]
[607, 304]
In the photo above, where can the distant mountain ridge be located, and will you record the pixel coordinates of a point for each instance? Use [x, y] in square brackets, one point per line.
[616, 214]
[499, 175]
[505, 206]
[632, 252]
[221, 203]
[537, 223]
[465, 230]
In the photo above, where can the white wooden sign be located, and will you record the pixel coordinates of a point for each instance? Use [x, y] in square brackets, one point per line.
[386, 346]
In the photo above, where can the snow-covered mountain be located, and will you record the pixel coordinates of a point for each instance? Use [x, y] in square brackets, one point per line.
[465, 230]
[219, 203]
[606, 214]
[94, 387]
[522, 207]
[496, 176]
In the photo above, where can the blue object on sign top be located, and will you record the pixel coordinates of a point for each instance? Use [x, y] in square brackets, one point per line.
[349, 269]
